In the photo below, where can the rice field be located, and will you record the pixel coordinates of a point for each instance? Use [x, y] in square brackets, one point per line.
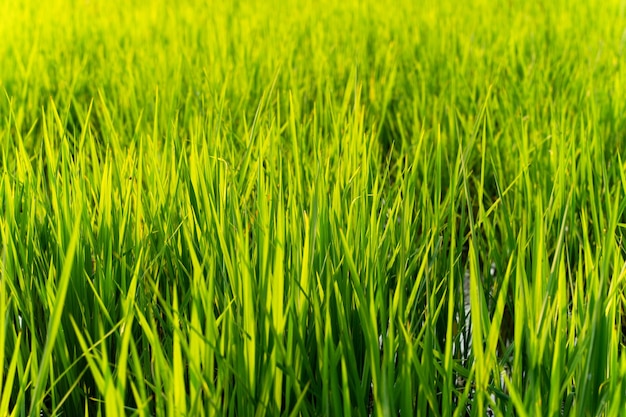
[298, 208]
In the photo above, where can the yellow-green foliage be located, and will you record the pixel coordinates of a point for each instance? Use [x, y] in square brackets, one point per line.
[272, 207]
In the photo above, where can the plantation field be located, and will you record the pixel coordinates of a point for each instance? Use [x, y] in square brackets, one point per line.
[312, 208]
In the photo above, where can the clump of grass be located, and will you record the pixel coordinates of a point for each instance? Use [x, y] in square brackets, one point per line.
[271, 209]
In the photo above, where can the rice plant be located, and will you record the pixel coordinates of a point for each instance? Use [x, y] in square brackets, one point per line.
[312, 208]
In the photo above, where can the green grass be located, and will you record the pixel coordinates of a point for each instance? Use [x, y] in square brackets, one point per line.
[272, 208]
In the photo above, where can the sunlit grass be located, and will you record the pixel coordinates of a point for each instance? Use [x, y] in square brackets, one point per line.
[273, 208]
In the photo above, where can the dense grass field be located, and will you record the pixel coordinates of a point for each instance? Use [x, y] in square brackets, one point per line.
[306, 208]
